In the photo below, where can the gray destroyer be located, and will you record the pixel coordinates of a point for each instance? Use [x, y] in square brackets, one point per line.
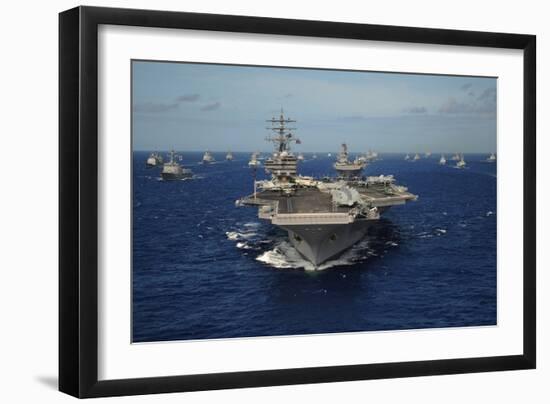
[323, 217]
[154, 160]
[173, 170]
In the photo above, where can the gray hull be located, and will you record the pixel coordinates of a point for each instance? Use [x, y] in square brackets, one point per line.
[319, 243]
[175, 176]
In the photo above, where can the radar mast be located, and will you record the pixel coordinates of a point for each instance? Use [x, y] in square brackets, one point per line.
[282, 136]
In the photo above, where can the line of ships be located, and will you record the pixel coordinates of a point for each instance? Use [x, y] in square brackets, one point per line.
[322, 216]
[458, 157]
[172, 170]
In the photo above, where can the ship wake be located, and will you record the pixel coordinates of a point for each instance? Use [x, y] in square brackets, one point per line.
[284, 255]
[271, 247]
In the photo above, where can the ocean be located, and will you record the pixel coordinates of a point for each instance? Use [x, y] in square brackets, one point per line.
[203, 268]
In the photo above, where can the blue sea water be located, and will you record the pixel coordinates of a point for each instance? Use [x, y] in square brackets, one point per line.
[204, 268]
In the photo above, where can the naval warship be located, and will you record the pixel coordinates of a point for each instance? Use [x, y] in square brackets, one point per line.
[207, 158]
[254, 162]
[154, 160]
[322, 217]
[461, 163]
[173, 170]
[368, 157]
[346, 168]
[372, 155]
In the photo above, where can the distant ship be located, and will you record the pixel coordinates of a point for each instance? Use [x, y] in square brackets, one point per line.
[461, 163]
[207, 158]
[300, 157]
[492, 158]
[322, 217]
[229, 156]
[154, 160]
[314, 156]
[456, 157]
[416, 157]
[173, 170]
[368, 157]
[428, 155]
[442, 160]
[254, 162]
[372, 155]
[407, 157]
[346, 168]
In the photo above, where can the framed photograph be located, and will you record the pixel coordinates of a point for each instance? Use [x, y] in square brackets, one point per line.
[251, 201]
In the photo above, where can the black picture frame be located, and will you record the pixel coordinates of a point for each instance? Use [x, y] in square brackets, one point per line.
[78, 201]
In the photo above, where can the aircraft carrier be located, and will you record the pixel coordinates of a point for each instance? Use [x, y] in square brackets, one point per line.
[346, 168]
[323, 217]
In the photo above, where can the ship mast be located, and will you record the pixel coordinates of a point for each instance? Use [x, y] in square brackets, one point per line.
[343, 155]
[282, 137]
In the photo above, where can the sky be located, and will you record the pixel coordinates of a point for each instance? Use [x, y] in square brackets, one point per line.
[198, 107]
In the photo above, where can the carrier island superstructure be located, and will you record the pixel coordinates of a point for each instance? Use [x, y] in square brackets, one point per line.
[323, 217]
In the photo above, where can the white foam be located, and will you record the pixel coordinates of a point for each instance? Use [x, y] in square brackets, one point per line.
[232, 235]
[277, 259]
[284, 255]
[243, 245]
[235, 235]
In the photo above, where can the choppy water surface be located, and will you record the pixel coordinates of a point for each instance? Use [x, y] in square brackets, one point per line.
[203, 268]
